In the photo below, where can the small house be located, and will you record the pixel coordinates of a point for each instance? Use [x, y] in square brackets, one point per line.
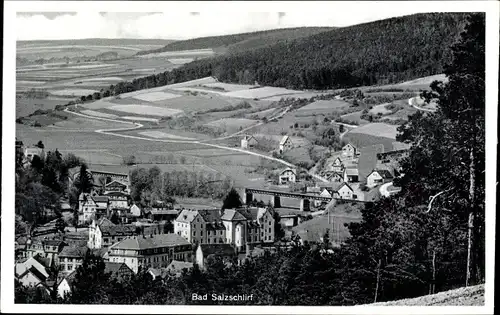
[117, 270]
[346, 192]
[334, 177]
[248, 142]
[349, 151]
[177, 267]
[285, 144]
[64, 286]
[351, 175]
[378, 177]
[115, 186]
[337, 166]
[288, 175]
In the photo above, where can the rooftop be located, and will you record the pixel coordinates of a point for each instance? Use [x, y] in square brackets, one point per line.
[152, 241]
[73, 251]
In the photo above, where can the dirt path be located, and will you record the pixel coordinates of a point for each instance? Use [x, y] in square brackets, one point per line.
[411, 102]
[112, 132]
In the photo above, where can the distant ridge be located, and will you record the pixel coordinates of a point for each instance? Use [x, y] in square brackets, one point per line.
[99, 41]
[241, 41]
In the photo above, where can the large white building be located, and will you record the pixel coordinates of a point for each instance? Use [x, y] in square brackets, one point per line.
[286, 176]
[150, 251]
[232, 226]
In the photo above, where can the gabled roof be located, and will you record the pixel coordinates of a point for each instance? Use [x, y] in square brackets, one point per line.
[383, 173]
[73, 251]
[249, 137]
[152, 241]
[217, 249]
[34, 272]
[116, 183]
[351, 171]
[288, 169]
[69, 278]
[284, 140]
[112, 230]
[211, 215]
[350, 144]
[186, 216]
[345, 184]
[232, 215]
[116, 194]
[100, 198]
[104, 222]
[114, 267]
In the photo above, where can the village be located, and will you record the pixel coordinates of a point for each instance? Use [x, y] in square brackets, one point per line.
[165, 240]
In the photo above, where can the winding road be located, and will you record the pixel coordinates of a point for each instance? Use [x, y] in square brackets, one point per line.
[112, 132]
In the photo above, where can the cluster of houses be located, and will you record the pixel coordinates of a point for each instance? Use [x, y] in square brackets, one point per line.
[198, 235]
[368, 167]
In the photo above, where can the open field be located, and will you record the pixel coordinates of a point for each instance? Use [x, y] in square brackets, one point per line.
[146, 110]
[323, 107]
[98, 114]
[261, 92]
[231, 125]
[26, 106]
[180, 61]
[377, 129]
[355, 117]
[361, 140]
[73, 92]
[163, 135]
[156, 96]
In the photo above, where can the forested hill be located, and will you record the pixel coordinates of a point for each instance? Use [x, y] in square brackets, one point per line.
[240, 42]
[381, 52]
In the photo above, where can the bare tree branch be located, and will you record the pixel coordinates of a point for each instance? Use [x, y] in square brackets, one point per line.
[432, 198]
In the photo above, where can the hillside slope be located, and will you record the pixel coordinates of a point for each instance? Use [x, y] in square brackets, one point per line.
[382, 52]
[239, 42]
[468, 296]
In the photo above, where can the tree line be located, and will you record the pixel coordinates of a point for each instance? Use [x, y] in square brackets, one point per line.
[150, 185]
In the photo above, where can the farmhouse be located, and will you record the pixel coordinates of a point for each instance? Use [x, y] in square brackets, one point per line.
[208, 251]
[285, 144]
[90, 206]
[46, 248]
[115, 186]
[337, 166]
[150, 251]
[349, 151]
[117, 271]
[329, 193]
[346, 192]
[22, 267]
[248, 142]
[64, 286]
[71, 257]
[31, 277]
[335, 177]
[117, 199]
[103, 233]
[378, 177]
[351, 175]
[288, 175]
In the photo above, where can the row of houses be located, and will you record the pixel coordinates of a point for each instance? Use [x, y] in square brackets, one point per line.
[250, 141]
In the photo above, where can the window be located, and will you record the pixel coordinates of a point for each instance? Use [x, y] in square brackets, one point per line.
[269, 230]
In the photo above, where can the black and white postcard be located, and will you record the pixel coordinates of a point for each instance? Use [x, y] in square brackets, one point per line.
[249, 157]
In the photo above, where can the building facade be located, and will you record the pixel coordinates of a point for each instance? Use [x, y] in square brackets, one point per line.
[286, 176]
[153, 251]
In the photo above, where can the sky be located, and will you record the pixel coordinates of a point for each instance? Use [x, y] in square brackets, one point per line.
[185, 24]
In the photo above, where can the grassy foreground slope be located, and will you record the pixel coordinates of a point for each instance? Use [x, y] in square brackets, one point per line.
[239, 42]
[467, 296]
